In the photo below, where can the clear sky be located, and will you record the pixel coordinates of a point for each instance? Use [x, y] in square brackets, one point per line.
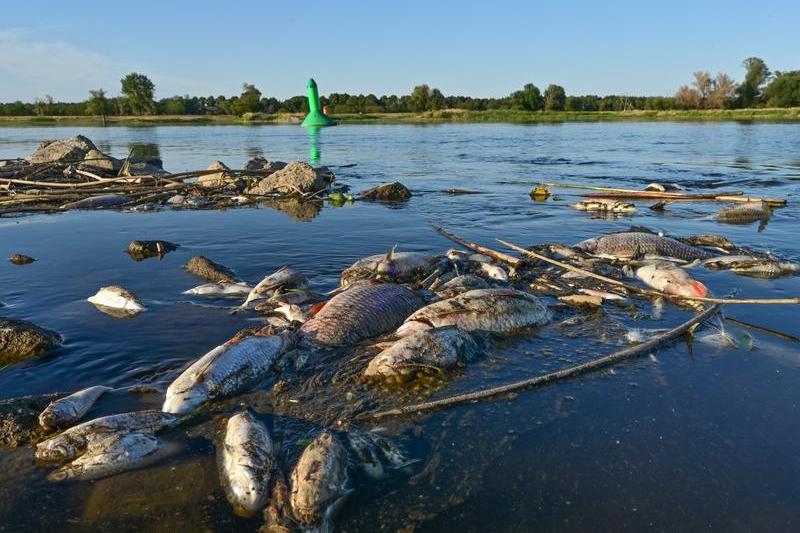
[64, 48]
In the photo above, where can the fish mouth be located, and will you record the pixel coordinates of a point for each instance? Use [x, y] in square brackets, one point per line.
[699, 289]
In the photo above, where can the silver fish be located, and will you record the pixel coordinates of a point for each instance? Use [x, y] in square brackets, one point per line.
[459, 284]
[68, 410]
[765, 268]
[361, 312]
[116, 297]
[320, 482]
[493, 271]
[493, 310]
[744, 214]
[220, 289]
[632, 244]
[247, 462]
[284, 277]
[73, 442]
[604, 206]
[710, 239]
[670, 279]
[103, 201]
[440, 347]
[394, 266]
[109, 455]
[226, 369]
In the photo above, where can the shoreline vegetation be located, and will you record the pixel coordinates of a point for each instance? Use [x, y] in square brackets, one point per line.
[442, 116]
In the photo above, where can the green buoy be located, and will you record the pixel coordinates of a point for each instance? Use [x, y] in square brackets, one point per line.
[315, 117]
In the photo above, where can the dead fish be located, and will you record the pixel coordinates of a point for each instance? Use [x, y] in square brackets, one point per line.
[68, 410]
[247, 462]
[633, 244]
[655, 187]
[109, 455]
[207, 269]
[670, 279]
[605, 206]
[710, 239]
[764, 268]
[493, 310]
[220, 289]
[744, 214]
[603, 295]
[492, 271]
[441, 348]
[366, 455]
[459, 284]
[73, 442]
[226, 369]
[104, 201]
[116, 297]
[320, 483]
[139, 250]
[284, 277]
[21, 259]
[291, 312]
[479, 258]
[297, 296]
[361, 312]
[394, 266]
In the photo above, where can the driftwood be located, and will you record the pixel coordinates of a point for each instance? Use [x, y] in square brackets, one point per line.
[583, 368]
[494, 254]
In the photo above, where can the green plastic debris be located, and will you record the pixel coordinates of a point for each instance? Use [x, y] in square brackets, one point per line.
[315, 117]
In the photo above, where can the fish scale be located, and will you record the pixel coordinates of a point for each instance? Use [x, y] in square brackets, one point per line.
[360, 313]
[637, 243]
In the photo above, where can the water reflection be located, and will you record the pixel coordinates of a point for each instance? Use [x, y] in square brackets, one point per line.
[314, 150]
[297, 209]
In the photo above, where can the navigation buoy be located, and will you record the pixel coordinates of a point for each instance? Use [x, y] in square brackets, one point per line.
[315, 118]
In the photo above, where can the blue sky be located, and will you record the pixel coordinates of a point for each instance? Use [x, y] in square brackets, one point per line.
[65, 48]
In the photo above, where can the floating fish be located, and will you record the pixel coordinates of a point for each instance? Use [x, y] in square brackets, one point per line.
[440, 348]
[360, 313]
[109, 455]
[68, 410]
[634, 244]
[670, 279]
[603, 295]
[103, 201]
[493, 271]
[710, 239]
[284, 277]
[493, 310]
[459, 284]
[73, 442]
[319, 483]
[220, 289]
[745, 214]
[605, 206]
[226, 369]
[394, 266]
[749, 265]
[247, 462]
[116, 297]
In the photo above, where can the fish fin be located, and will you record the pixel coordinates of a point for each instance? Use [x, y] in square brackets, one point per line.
[390, 254]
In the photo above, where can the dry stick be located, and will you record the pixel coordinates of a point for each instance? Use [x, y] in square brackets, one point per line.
[727, 197]
[559, 375]
[762, 329]
[650, 292]
[494, 254]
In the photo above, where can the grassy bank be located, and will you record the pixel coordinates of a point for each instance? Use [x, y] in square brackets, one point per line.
[430, 117]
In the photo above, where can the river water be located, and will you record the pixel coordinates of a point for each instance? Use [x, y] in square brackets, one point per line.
[690, 438]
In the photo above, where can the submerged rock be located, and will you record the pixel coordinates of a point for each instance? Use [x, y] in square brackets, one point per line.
[387, 192]
[21, 259]
[264, 165]
[19, 419]
[20, 339]
[74, 149]
[205, 268]
[294, 177]
[139, 250]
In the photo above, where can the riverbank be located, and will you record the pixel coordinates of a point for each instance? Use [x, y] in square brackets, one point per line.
[428, 117]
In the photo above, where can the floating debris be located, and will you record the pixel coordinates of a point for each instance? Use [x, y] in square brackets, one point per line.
[605, 206]
[21, 259]
[140, 250]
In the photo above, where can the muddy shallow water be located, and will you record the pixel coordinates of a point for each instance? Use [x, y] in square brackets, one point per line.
[690, 438]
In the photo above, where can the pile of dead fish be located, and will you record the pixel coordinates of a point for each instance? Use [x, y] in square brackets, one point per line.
[428, 312]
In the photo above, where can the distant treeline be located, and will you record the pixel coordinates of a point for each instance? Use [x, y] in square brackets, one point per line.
[760, 88]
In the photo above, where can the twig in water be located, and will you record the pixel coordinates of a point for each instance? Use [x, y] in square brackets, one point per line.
[494, 254]
[762, 329]
[559, 375]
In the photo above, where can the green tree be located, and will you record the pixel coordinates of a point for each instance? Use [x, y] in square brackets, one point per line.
[98, 104]
[529, 98]
[249, 101]
[44, 106]
[784, 90]
[755, 77]
[436, 100]
[554, 98]
[139, 91]
[419, 98]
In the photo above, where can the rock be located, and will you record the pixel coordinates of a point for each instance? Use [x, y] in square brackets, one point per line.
[387, 192]
[207, 269]
[97, 160]
[264, 165]
[139, 250]
[20, 259]
[20, 339]
[19, 419]
[294, 177]
[74, 149]
[217, 179]
[177, 199]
